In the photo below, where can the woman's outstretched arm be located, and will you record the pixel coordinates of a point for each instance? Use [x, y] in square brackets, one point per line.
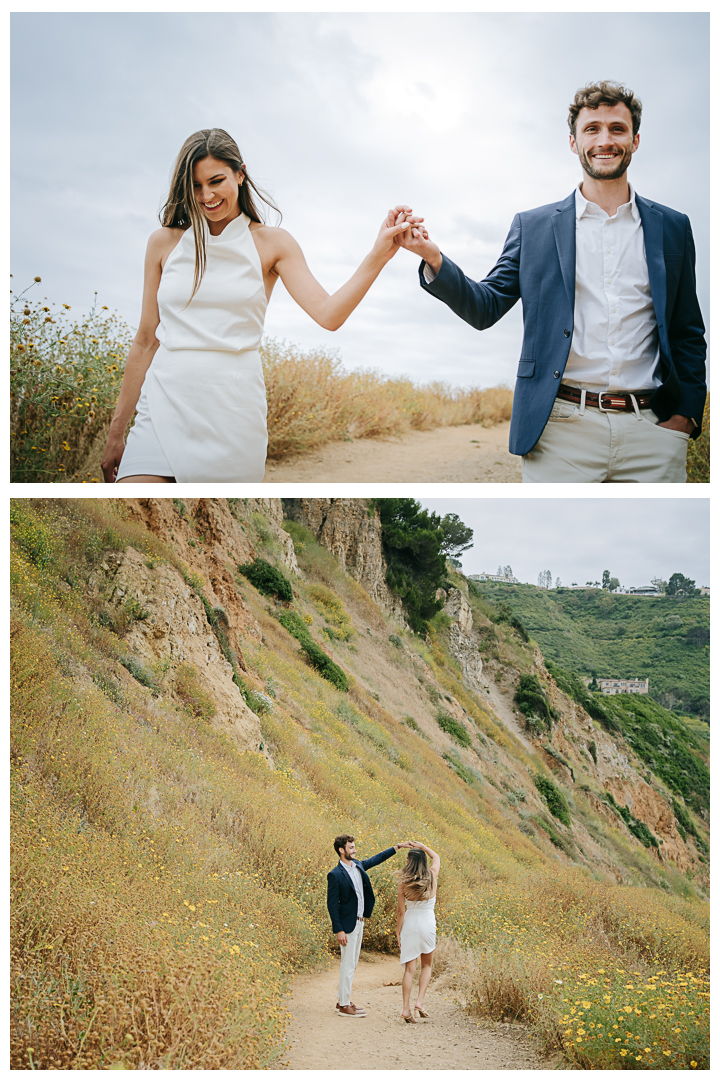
[331, 310]
[141, 352]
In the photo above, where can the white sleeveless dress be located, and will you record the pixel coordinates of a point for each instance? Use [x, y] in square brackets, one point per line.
[418, 929]
[202, 413]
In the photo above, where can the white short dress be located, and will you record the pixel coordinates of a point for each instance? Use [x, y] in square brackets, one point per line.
[418, 929]
[202, 413]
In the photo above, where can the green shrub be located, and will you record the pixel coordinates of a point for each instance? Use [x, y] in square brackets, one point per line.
[453, 728]
[395, 640]
[319, 660]
[532, 700]
[554, 798]
[468, 776]
[324, 665]
[294, 625]
[139, 671]
[267, 579]
[563, 842]
[412, 723]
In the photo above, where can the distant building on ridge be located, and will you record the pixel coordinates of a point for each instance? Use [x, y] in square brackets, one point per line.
[624, 686]
[504, 579]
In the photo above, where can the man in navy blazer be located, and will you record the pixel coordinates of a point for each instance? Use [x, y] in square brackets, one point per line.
[350, 900]
[611, 379]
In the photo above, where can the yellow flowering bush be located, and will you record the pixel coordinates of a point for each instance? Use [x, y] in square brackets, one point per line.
[65, 376]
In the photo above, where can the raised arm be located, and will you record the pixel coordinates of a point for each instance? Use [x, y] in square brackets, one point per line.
[142, 350]
[434, 857]
[480, 303]
[331, 310]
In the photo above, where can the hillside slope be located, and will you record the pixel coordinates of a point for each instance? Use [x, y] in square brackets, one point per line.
[179, 769]
[665, 639]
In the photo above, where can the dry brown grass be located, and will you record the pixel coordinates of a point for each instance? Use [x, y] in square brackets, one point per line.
[313, 400]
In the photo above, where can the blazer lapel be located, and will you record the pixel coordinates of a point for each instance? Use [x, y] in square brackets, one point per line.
[563, 222]
[652, 223]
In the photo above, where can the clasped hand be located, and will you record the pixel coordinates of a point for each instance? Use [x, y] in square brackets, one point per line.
[415, 238]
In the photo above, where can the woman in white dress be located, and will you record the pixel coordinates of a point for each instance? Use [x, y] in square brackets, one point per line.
[194, 371]
[417, 889]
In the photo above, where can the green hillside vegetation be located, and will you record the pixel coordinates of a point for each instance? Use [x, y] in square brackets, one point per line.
[668, 745]
[665, 639]
[166, 883]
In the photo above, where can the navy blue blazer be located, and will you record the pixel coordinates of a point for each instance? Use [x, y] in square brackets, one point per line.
[342, 898]
[538, 265]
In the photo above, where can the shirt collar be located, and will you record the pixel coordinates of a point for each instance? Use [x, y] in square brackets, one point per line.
[584, 206]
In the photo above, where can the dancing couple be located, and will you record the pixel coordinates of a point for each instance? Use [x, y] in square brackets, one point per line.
[350, 901]
[611, 380]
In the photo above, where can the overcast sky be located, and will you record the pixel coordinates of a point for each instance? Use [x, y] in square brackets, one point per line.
[576, 539]
[340, 116]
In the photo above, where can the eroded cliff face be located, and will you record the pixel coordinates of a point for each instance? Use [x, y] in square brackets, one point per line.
[174, 630]
[464, 643]
[353, 533]
[212, 536]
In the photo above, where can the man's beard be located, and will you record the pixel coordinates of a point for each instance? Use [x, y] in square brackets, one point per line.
[615, 174]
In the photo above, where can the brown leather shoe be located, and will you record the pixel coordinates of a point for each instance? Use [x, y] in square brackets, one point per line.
[349, 1010]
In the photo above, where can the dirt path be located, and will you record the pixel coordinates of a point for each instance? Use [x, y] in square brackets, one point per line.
[320, 1039]
[460, 455]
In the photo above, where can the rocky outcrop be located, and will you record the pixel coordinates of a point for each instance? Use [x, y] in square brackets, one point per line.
[351, 530]
[463, 642]
[169, 627]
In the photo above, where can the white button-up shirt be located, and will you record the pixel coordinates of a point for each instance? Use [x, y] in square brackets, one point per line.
[615, 341]
[353, 873]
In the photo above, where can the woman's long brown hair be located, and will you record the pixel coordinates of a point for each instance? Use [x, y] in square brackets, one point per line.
[181, 210]
[415, 876]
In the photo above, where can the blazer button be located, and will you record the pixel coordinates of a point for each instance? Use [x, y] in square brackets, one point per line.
[556, 374]
[566, 333]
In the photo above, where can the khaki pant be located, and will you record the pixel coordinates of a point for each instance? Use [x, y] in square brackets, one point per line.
[349, 956]
[594, 447]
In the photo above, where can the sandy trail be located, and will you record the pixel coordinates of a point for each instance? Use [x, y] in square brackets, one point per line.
[457, 455]
[320, 1039]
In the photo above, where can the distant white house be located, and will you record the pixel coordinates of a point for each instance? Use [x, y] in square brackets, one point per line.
[624, 686]
[642, 590]
[704, 590]
[504, 579]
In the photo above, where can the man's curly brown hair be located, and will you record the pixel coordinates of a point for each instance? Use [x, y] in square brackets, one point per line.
[605, 93]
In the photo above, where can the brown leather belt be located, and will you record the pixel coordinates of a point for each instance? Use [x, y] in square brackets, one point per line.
[619, 402]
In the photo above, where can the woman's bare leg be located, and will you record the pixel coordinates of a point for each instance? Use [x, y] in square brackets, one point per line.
[146, 480]
[407, 985]
[425, 973]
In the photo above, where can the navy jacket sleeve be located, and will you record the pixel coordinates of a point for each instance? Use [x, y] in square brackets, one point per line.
[481, 303]
[333, 902]
[367, 864]
[686, 334]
